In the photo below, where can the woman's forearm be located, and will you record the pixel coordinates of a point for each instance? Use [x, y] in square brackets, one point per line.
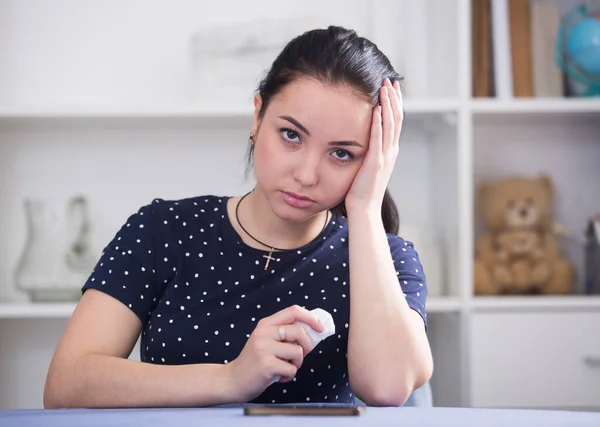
[388, 355]
[99, 381]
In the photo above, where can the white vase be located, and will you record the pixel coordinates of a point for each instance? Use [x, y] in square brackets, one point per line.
[57, 259]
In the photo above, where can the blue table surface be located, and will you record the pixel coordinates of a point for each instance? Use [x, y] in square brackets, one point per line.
[234, 415]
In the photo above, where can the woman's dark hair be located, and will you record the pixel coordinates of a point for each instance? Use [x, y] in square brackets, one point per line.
[336, 56]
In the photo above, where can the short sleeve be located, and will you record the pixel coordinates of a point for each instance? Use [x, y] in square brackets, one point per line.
[126, 268]
[410, 274]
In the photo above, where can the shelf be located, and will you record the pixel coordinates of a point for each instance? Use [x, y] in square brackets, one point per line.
[420, 108]
[64, 310]
[537, 106]
[433, 106]
[36, 311]
[537, 113]
[88, 116]
[76, 113]
[26, 115]
[443, 304]
[542, 302]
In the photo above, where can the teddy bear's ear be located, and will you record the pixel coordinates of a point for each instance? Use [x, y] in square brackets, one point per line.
[547, 182]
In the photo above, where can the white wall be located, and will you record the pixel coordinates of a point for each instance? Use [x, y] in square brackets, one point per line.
[81, 52]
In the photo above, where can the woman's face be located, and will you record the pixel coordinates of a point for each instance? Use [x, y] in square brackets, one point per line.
[309, 146]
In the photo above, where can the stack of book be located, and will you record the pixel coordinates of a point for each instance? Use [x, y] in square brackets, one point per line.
[514, 49]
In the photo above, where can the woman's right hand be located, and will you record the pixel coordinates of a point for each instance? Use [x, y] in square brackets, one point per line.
[265, 355]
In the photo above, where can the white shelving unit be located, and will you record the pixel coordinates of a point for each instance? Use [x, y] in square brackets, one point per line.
[64, 310]
[126, 134]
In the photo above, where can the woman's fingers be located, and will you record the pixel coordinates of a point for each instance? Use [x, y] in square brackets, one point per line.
[285, 370]
[292, 314]
[293, 334]
[289, 352]
[395, 100]
[399, 113]
[387, 115]
[376, 139]
[289, 358]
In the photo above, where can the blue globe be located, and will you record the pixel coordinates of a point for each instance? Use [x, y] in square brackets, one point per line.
[583, 45]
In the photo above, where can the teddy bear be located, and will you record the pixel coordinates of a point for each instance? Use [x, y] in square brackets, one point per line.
[520, 267]
[519, 203]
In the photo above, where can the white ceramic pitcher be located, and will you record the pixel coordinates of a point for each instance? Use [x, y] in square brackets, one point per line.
[57, 258]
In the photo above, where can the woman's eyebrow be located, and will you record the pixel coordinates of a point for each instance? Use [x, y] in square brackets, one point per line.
[303, 129]
[296, 123]
[345, 143]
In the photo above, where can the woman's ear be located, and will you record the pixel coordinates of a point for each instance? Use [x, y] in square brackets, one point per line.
[256, 116]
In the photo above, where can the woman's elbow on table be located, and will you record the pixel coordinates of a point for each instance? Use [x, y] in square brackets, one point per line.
[425, 371]
[63, 387]
[52, 391]
[50, 402]
[386, 397]
[396, 391]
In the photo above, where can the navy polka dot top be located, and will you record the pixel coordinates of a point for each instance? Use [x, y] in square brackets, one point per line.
[199, 290]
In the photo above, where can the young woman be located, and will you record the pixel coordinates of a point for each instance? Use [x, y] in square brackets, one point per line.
[215, 285]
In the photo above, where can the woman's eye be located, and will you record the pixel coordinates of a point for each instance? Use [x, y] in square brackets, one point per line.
[343, 155]
[290, 135]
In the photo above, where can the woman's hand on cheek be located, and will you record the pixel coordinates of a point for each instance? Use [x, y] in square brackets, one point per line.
[367, 191]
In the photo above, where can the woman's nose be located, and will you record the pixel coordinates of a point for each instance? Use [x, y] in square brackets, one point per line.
[306, 171]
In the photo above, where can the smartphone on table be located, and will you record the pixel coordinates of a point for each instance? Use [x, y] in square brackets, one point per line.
[306, 410]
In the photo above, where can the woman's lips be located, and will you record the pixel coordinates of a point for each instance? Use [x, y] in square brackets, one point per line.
[296, 200]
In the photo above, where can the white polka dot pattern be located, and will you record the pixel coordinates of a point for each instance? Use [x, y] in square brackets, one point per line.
[199, 290]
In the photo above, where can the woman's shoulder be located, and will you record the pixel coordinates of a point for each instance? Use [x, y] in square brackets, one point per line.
[185, 208]
[403, 251]
[399, 244]
[163, 218]
[196, 203]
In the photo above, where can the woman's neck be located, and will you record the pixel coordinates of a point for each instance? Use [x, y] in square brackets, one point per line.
[259, 220]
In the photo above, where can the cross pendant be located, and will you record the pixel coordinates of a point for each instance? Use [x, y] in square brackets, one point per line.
[269, 258]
